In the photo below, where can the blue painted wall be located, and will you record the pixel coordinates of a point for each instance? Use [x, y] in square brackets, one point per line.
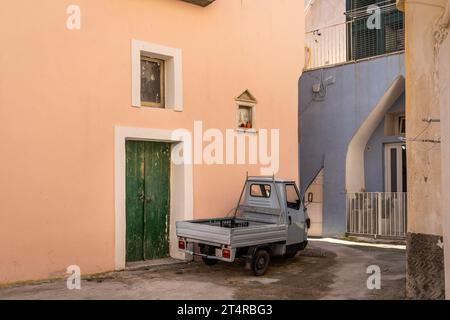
[374, 158]
[327, 123]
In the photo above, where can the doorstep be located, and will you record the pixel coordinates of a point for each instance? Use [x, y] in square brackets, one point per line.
[142, 265]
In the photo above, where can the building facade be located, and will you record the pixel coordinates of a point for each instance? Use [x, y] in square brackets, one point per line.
[352, 122]
[110, 90]
[427, 104]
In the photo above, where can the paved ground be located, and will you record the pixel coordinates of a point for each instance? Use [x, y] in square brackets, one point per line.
[323, 271]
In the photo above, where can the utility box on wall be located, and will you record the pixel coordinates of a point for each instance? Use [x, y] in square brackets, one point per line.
[202, 3]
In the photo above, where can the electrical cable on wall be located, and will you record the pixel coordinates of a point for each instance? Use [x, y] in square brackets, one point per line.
[435, 142]
[429, 121]
[319, 89]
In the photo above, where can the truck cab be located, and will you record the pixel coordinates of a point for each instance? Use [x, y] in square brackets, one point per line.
[276, 201]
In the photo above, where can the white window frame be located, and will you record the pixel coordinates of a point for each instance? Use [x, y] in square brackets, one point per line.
[398, 147]
[172, 57]
[392, 127]
[399, 128]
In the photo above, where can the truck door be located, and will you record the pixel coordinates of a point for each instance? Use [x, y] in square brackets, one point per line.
[295, 215]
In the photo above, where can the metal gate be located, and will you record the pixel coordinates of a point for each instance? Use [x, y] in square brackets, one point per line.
[377, 214]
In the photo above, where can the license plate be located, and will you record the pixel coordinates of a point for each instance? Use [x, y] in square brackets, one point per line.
[219, 253]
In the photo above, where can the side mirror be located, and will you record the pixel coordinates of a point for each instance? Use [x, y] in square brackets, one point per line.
[305, 203]
[308, 223]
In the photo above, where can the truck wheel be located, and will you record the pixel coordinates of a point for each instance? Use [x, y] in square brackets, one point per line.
[260, 263]
[209, 262]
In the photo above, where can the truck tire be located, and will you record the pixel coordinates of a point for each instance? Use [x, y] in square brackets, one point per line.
[209, 262]
[261, 262]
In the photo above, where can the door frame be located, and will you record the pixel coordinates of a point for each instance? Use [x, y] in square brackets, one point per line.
[387, 166]
[181, 187]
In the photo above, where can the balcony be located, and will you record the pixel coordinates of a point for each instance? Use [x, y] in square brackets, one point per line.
[202, 3]
[356, 39]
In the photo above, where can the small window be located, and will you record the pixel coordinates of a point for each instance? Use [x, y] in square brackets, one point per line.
[260, 190]
[395, 124]
[152, 82]
[292, 197]
[156, 76]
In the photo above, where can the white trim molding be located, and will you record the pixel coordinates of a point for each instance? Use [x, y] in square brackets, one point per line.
[354, 163]
[181, 188]
[173, 68]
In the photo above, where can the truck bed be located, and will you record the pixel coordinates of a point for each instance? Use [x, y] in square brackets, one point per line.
[234, 233]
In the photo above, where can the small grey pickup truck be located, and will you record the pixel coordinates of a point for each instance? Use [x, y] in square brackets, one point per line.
[269, 220]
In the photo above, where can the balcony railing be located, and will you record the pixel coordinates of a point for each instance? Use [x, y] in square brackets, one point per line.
[377, 214]
[355, 39]
[327, 46]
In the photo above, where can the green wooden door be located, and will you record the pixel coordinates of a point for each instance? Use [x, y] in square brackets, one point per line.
[147, 200]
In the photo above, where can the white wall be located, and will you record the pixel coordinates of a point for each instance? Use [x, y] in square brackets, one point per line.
[328, 46]
[323, 13]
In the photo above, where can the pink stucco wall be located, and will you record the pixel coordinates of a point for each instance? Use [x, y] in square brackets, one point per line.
[62, 92]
